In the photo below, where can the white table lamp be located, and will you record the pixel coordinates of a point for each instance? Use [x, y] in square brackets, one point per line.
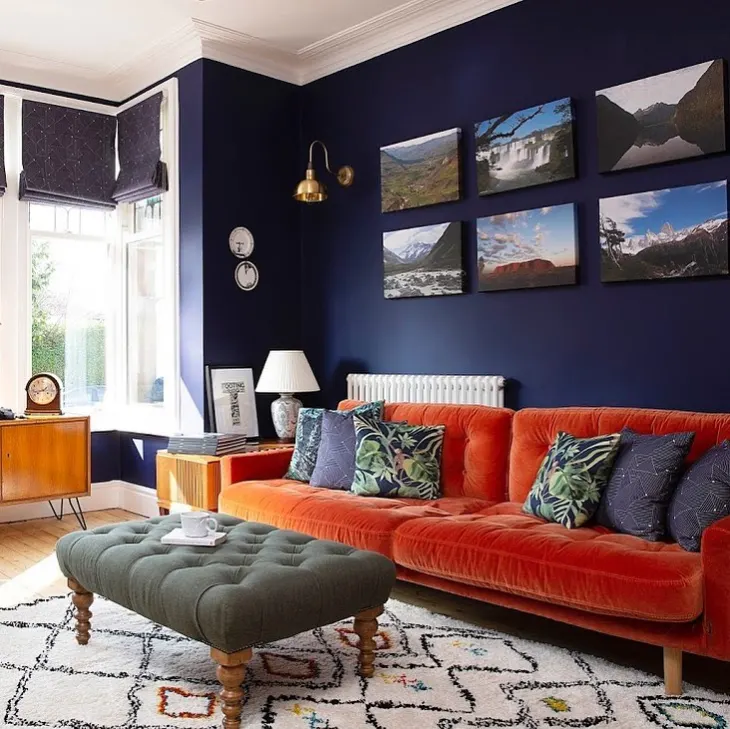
[286, 372]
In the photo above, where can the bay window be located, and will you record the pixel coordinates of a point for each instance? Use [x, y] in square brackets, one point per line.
[91, 294]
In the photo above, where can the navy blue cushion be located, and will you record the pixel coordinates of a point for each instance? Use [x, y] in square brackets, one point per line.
[335, 466]
[644, 476]
[702, 497]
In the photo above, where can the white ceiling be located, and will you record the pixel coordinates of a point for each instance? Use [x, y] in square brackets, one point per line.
[112, 48]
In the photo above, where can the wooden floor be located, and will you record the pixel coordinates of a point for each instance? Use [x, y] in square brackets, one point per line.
[28, 569]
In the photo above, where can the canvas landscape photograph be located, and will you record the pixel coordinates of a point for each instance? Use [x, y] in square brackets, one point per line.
[529, 147]
[422, 171]
[665, 233]
[528, 249]
[424, 261]
[672, 116]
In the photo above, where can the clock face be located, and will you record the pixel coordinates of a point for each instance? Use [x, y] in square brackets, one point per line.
[241, 242]
[42, 390]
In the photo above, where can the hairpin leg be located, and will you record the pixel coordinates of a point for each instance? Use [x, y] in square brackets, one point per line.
[53, 509]
[78, 513]
[77, 510]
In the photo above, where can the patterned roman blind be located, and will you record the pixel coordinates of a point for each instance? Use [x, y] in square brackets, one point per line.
[142, 173]
[3, 178]
[68, 156]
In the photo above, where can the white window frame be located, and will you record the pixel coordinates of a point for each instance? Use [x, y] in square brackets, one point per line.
[15, 284]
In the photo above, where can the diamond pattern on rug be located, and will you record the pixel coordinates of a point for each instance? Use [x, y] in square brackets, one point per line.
[177, 703]
[433, 673]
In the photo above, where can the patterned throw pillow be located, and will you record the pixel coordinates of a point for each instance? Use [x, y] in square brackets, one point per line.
[572, 476]
[335, 467]
[702, 497]
[309, 432]
[641, 485]
[397, 459]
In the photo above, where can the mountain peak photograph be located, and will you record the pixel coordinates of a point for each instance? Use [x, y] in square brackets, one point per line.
[674, 233]
[423, 261]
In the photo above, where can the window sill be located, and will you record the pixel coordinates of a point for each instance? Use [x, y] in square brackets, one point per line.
[145, 423]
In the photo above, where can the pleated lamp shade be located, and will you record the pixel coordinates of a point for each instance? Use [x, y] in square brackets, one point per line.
[287, 370]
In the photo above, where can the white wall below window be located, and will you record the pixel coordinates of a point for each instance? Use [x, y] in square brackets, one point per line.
[106, 495]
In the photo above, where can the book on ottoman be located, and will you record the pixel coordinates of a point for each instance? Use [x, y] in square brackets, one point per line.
[177, 536]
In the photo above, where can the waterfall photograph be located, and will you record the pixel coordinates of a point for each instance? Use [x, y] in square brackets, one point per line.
[421, 171]
[528, 249]
[663, 234]
[424, 261]
[673, 116]
[530, 147]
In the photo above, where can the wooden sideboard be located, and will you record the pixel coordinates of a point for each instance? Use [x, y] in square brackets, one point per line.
[44, 458]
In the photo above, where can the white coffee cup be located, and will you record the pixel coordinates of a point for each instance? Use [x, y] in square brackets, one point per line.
[197, 523]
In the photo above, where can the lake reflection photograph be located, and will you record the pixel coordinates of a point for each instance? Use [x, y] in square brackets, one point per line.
[673, 116]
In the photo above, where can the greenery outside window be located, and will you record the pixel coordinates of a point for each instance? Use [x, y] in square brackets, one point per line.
[70, 284]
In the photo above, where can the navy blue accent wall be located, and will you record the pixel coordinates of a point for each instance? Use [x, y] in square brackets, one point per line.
[105, 460]
[191, 103]
[653, 344]
[251, 160]
[137, 457]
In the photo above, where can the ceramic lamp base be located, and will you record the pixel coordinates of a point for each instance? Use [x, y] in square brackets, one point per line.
[284, 413]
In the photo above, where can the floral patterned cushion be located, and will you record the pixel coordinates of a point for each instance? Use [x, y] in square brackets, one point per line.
[309, 435]
[572, 477]
[397, 459]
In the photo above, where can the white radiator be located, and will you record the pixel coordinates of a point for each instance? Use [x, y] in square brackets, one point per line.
[453, 389]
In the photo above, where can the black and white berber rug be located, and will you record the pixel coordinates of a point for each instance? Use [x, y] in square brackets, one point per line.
[431, 673]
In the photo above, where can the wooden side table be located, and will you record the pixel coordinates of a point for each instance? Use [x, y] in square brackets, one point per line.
[195, 481]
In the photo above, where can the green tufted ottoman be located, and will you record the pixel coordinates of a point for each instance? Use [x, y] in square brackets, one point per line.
[261, 585]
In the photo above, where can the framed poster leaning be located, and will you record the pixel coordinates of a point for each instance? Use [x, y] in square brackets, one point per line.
[231, 400]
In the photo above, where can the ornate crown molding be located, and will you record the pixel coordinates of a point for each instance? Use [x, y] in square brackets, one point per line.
[405, 24]
[410, 22]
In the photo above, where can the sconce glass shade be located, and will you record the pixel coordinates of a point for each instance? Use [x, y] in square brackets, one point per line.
[310, 189]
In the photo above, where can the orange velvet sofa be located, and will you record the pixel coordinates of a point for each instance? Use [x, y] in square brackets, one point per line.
[475, 541]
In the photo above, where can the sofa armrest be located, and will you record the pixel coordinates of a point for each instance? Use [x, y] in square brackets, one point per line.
[258, 466]
[715, 556]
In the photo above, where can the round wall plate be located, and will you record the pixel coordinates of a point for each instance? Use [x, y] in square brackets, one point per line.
[241, 242]
[247, 276]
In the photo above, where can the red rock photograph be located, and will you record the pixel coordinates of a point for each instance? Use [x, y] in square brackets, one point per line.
[528, 249]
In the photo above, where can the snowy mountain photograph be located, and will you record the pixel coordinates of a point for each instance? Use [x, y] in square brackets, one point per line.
[673, 233]
[676, 115]
[529, 147]
[421, 171]
[528, 249]
[425, 261]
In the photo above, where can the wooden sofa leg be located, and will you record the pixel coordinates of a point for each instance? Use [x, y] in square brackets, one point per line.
[672, 671]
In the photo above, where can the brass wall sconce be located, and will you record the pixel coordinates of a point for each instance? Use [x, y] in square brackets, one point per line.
[310, 189]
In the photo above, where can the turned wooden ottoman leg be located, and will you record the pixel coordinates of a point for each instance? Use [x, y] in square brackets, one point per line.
[231, 670]
[82, 600]
[366, 626]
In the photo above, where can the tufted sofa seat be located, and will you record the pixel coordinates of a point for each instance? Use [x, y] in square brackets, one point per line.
[592, 569]
[261, 585]
[335, 514]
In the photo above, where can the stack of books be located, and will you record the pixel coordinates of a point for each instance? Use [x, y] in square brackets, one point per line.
[207, 444]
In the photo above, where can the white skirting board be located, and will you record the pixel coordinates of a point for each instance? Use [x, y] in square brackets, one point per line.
[106, 495]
